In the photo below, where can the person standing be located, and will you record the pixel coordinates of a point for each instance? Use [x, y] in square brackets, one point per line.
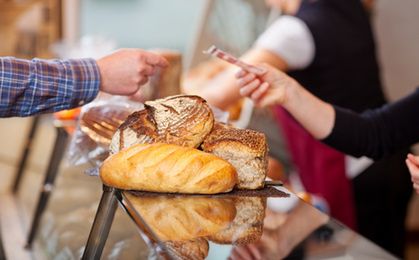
[328, 47]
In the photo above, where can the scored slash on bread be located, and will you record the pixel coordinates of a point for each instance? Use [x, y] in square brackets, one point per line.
[138, 128]
[188, 121]
[245, 149]
[183, 120]
[169, 168]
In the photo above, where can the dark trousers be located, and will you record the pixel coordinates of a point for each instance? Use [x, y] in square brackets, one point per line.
[382, 194]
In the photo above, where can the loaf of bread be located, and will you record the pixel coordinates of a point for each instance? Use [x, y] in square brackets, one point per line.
[184, 217]
[138, 128]
[183, 120]
[245, 149]
[247, 226]
[168, 168]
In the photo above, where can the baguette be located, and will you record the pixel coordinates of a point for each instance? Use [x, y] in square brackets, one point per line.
[168, 168]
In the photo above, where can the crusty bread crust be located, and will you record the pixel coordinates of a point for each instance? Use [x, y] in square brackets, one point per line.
[245, 149]
[168, 168]
[183, 120]
[138, 128]
[251, 141]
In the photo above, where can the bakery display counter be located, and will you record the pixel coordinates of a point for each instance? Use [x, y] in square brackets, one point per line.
[272, 223]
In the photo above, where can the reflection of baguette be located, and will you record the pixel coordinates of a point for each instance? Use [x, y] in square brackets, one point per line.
[168, 168]
[184, 218]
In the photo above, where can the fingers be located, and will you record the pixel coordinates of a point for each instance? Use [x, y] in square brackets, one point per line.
[242, 253]
[414, 172]
[412, 167]
[241, 73]
[413, 159]
[246, 79]
[259, 92]
[255, 251]
[156, 60]
[250, 87]
[147, 70]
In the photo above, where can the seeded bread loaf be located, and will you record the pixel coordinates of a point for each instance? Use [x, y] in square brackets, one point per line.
[245, 149]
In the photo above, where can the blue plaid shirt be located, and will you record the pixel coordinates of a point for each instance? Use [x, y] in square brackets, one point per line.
[35, 86]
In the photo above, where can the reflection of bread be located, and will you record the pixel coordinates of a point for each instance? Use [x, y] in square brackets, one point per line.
[168, 168]
[184, 218]
[247, 225]
[245, 149]
[182, 120]
[196, 249]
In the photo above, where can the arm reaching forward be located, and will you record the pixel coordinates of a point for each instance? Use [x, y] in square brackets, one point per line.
[374, 133]
[276, 88]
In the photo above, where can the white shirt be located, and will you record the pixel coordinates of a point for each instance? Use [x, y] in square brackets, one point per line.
[291, 39]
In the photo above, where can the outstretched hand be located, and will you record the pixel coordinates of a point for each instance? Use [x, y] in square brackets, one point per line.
[125, 71]
[413, 165]
[267, 89]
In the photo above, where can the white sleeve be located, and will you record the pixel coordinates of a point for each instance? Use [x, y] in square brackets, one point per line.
[291, 39]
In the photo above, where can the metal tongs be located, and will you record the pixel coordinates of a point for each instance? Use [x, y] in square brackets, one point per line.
[216, 52]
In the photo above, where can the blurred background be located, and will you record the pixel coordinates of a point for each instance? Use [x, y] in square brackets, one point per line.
[93, 28]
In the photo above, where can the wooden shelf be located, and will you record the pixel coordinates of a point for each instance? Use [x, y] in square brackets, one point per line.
[33, 41]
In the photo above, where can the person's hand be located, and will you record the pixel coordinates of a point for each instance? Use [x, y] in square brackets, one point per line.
[271, 246]
[125, 71]
[413, 165]
[268, 89]
[245, 252]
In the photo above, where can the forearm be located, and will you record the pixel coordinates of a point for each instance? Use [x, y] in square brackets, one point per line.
[36, 86]
[378, 132]
[315, 115]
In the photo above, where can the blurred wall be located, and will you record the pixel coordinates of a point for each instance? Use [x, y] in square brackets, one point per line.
[397, 32]
[171, 24]
[142, 23]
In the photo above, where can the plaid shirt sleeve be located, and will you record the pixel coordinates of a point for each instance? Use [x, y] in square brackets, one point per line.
[35, 86]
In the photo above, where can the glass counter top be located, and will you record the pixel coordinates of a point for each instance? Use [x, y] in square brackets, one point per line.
[258, 225]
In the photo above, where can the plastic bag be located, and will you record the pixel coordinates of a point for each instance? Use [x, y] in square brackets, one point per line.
[98, 121]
